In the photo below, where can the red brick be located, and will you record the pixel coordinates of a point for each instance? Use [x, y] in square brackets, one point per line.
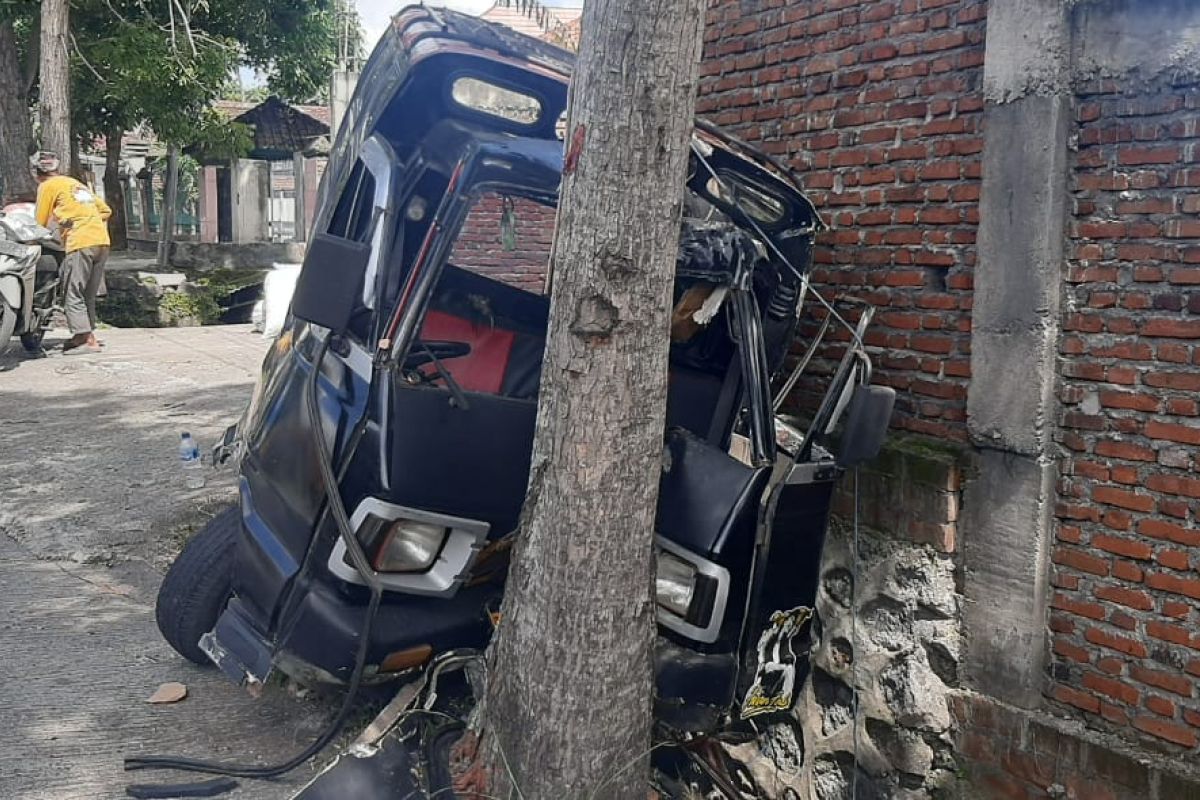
[1114, 714]
[1172, 432]
[1111, 688]
[1175, 609]
[1129, 400]
[1122, 498]
[1171, 681]
[1160, 705]
[1174, 484]
[1161, 529]
[1188, 587]
[1133, 156]
[1169, 731]
[1127, 450]
[1182, 229]
[1110, 665]
[1174, 559]
[1080, 561]
[1126, 570]
[1172, 328]
[1079, 608]
[1126, 597]
[1071, 651]
[1074, 697]
[1113, 642]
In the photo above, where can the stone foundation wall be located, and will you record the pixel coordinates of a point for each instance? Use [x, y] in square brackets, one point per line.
[889, 623]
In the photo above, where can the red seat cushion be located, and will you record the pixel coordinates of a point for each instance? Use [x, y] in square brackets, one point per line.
[481, 370]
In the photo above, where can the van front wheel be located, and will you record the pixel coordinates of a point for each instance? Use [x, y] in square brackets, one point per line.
[198, 585]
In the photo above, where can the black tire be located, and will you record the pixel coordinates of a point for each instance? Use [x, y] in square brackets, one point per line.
[198, 585]
[8, 323]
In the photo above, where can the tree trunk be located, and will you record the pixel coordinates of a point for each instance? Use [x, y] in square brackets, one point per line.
[114, 190]
[55, 86]
[568, 707]
[166, 225]
[16, 134]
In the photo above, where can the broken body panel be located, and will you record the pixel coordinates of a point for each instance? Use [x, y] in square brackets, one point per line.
[428, 394]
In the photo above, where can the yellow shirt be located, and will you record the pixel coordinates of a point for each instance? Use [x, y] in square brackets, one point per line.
[80, 214]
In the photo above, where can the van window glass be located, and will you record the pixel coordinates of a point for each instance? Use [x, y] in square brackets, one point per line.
[498, 101]
[352, 216]
[506, 239]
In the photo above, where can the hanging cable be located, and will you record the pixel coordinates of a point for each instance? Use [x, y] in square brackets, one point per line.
[361, 563]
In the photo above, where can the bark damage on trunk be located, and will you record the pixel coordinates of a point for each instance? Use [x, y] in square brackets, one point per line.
[54, 90]
[567, 712]
[16, 134]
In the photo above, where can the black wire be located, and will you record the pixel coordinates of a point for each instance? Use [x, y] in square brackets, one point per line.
[354, 549]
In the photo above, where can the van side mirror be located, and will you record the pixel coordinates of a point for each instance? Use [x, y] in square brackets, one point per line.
[866, 424]
[330, 281]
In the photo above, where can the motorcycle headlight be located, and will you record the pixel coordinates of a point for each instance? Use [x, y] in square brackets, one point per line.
[682, 590]
[406, 545]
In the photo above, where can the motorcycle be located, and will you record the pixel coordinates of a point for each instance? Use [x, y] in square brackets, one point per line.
[31, 257]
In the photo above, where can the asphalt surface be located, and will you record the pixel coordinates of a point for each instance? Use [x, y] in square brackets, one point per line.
[93, 507]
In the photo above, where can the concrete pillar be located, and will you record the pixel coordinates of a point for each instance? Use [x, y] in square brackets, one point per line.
[1008, 508]
[312, 186]
[208, 204]
[251, 194]
[300, 227]
[341, 89]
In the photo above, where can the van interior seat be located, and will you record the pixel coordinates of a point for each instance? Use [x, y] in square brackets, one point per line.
[506, 329]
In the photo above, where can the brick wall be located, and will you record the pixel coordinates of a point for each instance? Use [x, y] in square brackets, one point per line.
[1015, 755]
[480, 246]
[1125, 587]
[877, 105]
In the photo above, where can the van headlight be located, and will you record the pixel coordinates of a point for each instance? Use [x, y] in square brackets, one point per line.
[681, 589]
[402, 545]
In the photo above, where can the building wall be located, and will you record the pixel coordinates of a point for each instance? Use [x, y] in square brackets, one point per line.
[1124, 610]
[522, 262]
[877, 105]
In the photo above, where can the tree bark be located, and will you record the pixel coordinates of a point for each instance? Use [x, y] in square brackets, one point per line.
[568, 708]
[166, 225]
[16, 133]
[114, 190]
[55, 86]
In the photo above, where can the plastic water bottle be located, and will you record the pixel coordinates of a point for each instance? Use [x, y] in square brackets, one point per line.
[189, 461]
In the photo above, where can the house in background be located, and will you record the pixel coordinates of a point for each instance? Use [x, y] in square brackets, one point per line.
[270, 194]
[559, 25]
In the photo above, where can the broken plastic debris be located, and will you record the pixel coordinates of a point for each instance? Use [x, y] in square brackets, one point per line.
[712, 304]
[168, 693]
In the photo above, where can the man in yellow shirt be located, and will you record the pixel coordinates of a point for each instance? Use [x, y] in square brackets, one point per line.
[82, 219]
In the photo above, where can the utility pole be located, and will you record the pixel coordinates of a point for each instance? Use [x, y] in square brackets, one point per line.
[567, 713]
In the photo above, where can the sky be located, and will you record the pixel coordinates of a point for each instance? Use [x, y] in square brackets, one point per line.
[374, 14]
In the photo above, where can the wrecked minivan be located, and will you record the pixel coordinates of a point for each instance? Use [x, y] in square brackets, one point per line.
[387, 444]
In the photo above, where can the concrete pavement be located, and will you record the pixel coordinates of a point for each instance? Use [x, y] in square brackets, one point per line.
[92, 509]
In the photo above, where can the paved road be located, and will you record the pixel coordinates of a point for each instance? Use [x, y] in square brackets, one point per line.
[92, 509]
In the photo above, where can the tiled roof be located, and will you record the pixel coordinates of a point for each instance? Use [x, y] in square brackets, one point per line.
[548, 24]
[279, 128]
[235, 108]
